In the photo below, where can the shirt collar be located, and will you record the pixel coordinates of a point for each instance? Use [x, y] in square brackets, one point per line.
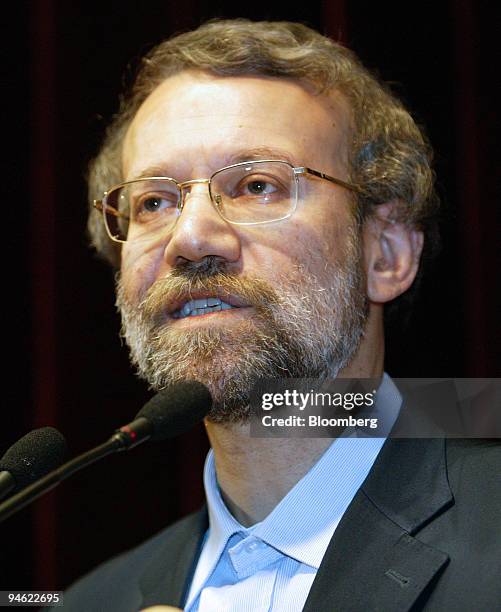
[328, 488]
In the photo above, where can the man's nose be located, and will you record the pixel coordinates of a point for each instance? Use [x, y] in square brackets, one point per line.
[200, 231]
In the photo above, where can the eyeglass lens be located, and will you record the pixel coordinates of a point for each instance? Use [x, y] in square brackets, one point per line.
[251, 192]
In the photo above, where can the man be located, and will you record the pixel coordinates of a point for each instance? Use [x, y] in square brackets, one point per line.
[264, 199]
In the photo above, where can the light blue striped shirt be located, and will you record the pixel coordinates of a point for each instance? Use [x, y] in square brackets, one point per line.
[270, 566]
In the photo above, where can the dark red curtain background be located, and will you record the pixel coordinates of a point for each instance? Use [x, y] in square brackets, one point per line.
[64, 365]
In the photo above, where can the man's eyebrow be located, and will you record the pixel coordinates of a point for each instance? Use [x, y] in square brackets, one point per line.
[151, 171]
[226, 160]
[261, 153]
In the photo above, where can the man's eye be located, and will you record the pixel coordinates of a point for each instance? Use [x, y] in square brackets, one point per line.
[260, 187]
[150, 204]
[154, 204]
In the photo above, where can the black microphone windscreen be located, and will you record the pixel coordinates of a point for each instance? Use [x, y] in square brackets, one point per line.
[176, 409]
[36, 454]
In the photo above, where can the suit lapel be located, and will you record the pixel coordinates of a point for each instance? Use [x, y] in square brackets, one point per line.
[373, 562]
[169, 574]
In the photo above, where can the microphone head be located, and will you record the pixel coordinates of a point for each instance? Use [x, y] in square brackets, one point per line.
[176, 409]
[36, 454]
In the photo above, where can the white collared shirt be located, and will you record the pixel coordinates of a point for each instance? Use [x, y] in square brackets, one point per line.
[271, 566]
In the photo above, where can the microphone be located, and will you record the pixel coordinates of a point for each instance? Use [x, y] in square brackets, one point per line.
[34, 455]
[168, 414]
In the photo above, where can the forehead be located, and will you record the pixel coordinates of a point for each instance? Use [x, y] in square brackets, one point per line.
[196, 121]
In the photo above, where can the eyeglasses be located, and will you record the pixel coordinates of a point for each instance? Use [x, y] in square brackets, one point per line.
[247, 193]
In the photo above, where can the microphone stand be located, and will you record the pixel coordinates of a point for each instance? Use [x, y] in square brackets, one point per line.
[125, 438]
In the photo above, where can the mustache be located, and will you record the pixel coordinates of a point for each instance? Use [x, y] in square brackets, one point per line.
[209, 266]
[210, 275]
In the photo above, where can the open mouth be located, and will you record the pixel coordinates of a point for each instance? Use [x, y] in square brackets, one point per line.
[201, 306]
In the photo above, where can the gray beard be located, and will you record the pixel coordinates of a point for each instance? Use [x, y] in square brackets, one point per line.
[300, 328]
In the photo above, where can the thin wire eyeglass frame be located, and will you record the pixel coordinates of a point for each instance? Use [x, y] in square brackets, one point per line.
[103, 206]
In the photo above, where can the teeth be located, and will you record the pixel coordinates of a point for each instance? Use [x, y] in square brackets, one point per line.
[201, 306]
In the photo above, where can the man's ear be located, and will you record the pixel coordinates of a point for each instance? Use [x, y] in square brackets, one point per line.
[392, 251]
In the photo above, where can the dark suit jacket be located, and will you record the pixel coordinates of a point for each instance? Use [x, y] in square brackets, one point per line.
[422, 533]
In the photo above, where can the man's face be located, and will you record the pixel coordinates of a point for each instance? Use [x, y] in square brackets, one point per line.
[296, 287]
